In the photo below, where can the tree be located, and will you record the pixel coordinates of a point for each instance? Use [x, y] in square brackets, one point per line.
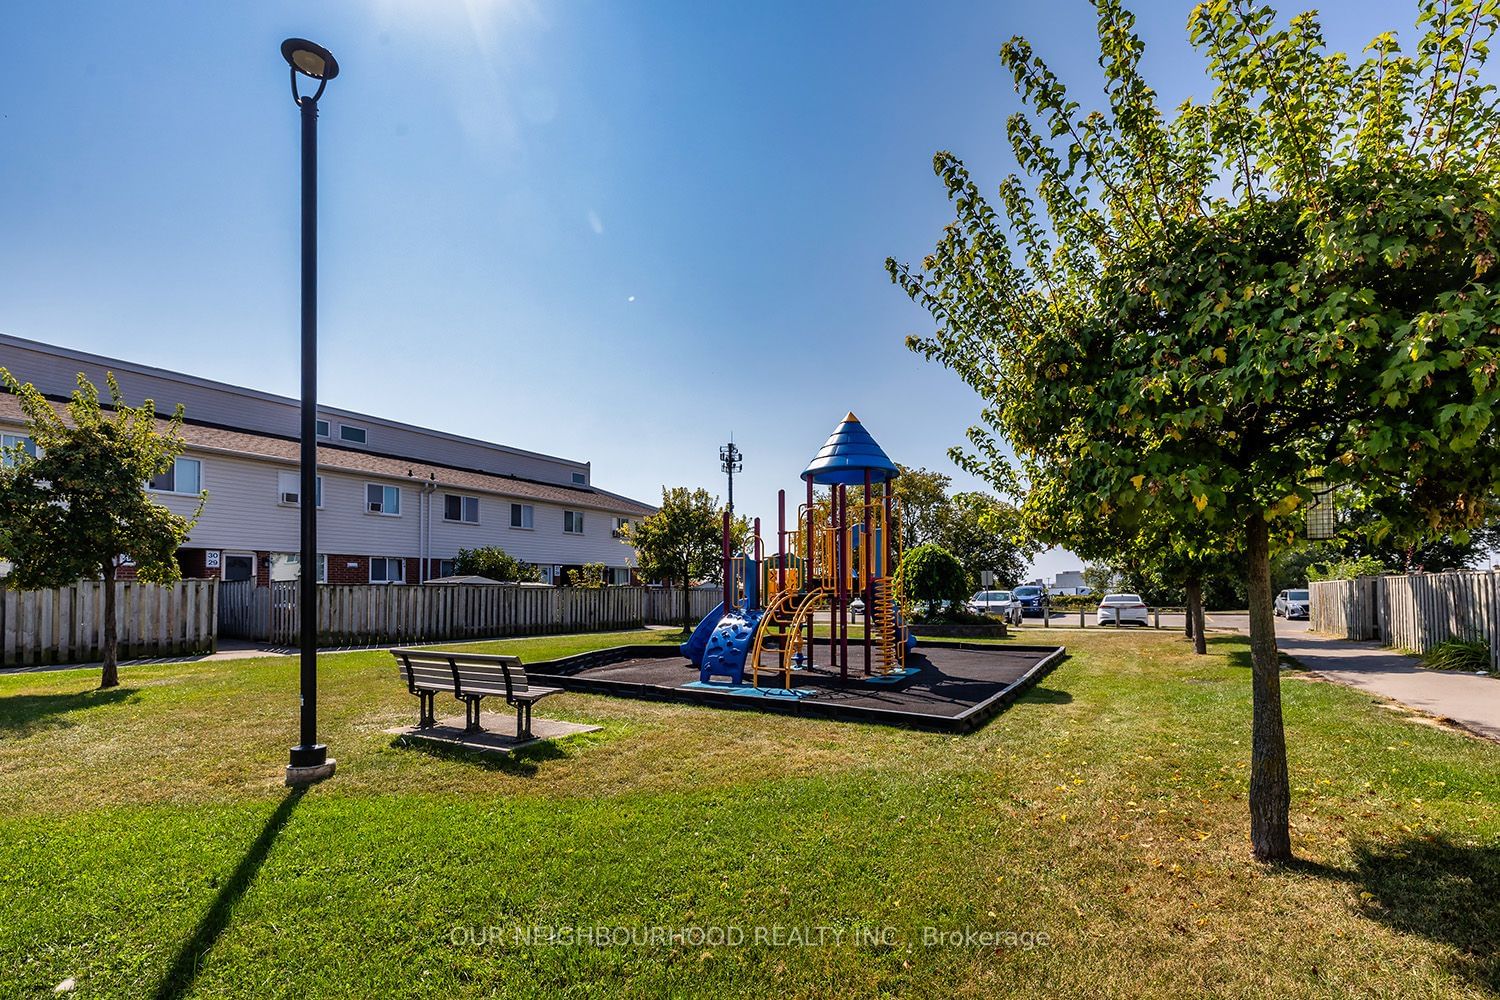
[1204, 320]
[933, 575]
[589, 577]
[681, 542]
[79, 508]
[494, 563]
[985, 533]
[923, 496]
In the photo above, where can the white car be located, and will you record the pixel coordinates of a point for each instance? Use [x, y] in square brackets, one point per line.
[857, 606]
[1122, 609]
[1292, 604]
[999, 603]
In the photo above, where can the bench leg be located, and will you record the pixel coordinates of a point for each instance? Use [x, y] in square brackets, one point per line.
[425, 710]
[523, 721]
[471, 715]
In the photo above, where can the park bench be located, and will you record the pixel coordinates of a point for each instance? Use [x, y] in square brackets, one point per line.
[469, 677]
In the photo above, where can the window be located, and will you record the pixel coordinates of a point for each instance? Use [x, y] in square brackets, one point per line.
[619, 576]
[446, 567]
[323, 430]
[8, 442]
[621, 523]
[185, 476]
[580, 478]
[383, 499]
[573, 522]
[289, 489]
[354, 435]
[457, 508]
[387, 569]
[520, 515]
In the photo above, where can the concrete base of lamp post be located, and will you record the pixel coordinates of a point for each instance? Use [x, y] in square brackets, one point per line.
[310, 775]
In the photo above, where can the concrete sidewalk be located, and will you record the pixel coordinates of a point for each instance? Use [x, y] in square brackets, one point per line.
[1470, 700]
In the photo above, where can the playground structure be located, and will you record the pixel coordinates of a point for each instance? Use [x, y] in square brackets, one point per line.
[845, 546]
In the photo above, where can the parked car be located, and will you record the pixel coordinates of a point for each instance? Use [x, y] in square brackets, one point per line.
[1122, 609]
[999, 603]
[857, 606]
[1292, 604]
[1033, 601]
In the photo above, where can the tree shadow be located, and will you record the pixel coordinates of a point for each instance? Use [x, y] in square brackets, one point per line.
[1445, 891]
[523, 763]
[23, 714]
[183, 972]
[1047, 696]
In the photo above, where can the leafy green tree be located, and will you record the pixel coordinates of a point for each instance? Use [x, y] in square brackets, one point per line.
[933, 575]
[79, 508]
[1198, 320]
[985, 533]
[589, 577]
[682, 541]
[923, 497]
[494, 563]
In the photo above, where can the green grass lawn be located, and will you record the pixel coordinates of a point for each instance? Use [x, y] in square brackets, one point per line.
[147, 847]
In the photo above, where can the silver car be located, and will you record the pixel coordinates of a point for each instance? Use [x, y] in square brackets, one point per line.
[1292, 604]
[1000, 603]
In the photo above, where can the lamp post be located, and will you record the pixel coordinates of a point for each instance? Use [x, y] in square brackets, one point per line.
[309, 758]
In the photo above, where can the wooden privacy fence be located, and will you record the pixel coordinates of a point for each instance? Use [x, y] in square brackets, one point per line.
[361, 615]
[67, 625]
[1414, 612]
[244, 610]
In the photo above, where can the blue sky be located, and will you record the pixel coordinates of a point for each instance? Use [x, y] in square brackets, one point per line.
[612, 231]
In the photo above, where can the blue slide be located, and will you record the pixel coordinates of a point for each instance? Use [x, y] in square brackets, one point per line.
[729, 645]
[697, 643]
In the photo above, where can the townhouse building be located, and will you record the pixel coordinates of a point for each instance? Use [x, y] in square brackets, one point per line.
[395, 502]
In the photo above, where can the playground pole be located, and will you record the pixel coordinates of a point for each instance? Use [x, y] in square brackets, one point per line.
[780, 540]
[843, 549]
[807, 566]
[866, 559]
[759, 597]
[728, 569]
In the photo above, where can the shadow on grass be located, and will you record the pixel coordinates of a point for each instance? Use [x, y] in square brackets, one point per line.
[1447, 892]
[523, 763]
[1047, 696]
[23, 714]
[180, 977]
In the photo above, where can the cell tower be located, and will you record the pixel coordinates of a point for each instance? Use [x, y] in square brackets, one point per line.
[729, 461]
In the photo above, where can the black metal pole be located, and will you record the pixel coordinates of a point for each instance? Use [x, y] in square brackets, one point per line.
[309, 752]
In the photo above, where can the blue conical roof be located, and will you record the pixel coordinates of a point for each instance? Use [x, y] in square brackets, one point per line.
[847, 455]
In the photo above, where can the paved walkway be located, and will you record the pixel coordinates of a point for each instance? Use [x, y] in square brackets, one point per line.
[1471, 700]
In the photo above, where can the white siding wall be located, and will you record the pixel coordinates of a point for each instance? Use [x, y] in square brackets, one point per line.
[544, 543]
[55, 373]
[244, 513]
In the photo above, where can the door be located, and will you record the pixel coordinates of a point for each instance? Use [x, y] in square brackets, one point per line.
[238, 566]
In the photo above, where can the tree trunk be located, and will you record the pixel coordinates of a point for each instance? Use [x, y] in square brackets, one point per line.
[1195, 615]
[1200, 636]
[110, 677]
[687, 606]
[1194, 592]
[1270, 791]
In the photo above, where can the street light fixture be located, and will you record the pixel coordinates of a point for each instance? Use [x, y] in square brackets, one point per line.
[309, 758]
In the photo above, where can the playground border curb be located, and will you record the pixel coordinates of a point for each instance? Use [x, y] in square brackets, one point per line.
[563, 673]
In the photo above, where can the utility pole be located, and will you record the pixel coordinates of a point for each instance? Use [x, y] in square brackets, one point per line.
[729, 461]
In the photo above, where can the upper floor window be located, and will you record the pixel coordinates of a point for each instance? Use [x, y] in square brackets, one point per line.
[8, 444]
[573, 522]
[621, 523]
[185, 476]
[354, 435]
[387, 569]
[383, 499]
[580, 478]
[289, 488]
[520, 515]
[457, 508]
[324, 430]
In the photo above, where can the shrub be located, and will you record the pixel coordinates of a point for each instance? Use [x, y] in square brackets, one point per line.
[933, 575]
[1455, 654]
